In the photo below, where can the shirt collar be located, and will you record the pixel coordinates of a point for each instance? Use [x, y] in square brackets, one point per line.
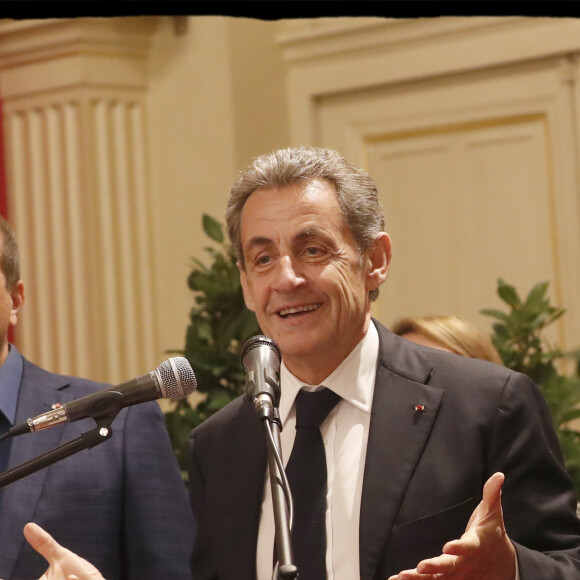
[10, 377]
[353, 379]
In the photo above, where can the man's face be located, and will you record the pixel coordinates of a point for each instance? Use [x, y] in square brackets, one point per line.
[10, 304]
[304, 276]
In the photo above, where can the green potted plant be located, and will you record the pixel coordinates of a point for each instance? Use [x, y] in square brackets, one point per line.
[519, 336]
[219, 324]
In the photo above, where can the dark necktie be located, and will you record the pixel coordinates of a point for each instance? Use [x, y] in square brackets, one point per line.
[306, 471]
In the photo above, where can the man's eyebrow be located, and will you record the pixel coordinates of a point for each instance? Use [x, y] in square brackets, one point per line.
[309, 233]
[258, 241]
[306, 234]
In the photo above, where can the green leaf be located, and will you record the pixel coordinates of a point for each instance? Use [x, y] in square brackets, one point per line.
[212, 228]
[536, 295]
[570, 415]
[218, 401]
[494, 313]
[508, 294]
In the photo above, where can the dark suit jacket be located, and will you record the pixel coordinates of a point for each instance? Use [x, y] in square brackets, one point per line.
[424, 471]
[121, 505]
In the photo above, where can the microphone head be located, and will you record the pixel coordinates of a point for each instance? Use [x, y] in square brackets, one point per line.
[261, 361]
[176, 378]
[271, 352]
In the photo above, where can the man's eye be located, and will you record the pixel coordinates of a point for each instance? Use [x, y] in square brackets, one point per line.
[263, 260]
[313, 251]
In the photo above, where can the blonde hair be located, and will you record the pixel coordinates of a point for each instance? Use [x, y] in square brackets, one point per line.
[452, 333]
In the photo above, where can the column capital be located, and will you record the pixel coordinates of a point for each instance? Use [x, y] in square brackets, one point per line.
[40, 56]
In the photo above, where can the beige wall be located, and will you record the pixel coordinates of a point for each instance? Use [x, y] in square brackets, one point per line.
[202, 96]
[216, 100]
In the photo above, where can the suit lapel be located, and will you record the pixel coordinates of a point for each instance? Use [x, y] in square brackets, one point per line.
[397, 437]
[242, 504]
[38, 391]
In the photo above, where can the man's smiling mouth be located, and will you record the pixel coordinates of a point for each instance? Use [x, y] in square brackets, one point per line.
[295, 310]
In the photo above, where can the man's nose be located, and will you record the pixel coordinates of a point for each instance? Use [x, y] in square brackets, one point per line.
[288, 275]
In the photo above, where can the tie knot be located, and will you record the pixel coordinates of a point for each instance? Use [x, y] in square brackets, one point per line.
[312, 407]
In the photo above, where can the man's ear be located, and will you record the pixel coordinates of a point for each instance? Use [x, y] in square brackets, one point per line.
[379, 260]
[245, 287]
[17, 296]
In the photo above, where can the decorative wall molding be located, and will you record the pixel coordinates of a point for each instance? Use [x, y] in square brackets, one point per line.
[76, 144]
[334, 56]
[38, 56]
[311, 39]
[362, 85]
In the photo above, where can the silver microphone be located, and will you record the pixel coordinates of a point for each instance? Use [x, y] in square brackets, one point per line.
[261, 361]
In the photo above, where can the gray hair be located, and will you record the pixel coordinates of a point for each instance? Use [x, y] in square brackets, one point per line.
[356, 191]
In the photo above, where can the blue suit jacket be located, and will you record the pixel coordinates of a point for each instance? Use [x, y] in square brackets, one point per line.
[424, 471]
[121, 505]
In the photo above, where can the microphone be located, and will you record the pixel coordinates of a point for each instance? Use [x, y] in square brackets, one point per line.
[261, 361]
[173, 379]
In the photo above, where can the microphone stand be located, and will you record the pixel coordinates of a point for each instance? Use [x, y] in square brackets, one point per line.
[281, 496]
[87, 440]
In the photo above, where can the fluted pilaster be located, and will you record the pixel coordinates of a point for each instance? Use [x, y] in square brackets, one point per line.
[76, 146]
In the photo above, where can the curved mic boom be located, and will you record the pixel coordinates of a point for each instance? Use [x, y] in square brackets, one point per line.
[173, 379]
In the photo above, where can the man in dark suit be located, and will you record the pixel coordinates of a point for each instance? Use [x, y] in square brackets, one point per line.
[418, 433]
[122, 505]
[437, 466]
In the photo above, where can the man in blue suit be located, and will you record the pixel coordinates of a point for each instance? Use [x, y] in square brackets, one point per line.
[122, 505]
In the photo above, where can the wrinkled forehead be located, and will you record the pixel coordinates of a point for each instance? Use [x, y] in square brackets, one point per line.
[313, 201]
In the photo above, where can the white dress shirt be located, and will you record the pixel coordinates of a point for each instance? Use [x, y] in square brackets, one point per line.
[345, 435]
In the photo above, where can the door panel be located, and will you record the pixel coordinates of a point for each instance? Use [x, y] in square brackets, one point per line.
[474, 176]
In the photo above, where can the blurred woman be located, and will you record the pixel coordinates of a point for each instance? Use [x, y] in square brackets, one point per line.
[450, 333]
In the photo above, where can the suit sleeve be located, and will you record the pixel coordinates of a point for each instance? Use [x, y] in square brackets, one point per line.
[538, 497]
[159, 527]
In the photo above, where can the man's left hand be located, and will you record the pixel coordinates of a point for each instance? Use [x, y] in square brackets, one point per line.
[484, 551]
